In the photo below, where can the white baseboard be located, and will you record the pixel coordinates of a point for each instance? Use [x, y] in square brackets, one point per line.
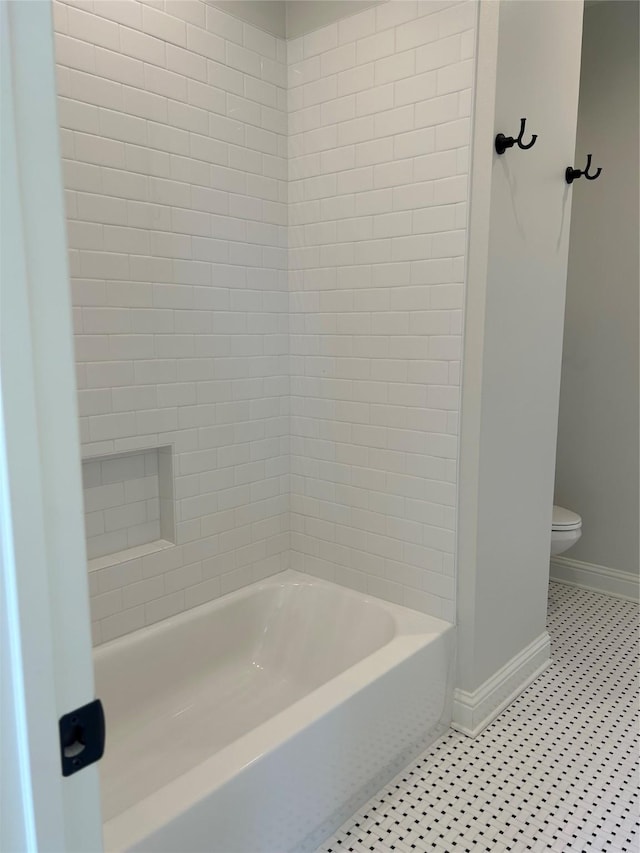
[598, 578]
[472, 712]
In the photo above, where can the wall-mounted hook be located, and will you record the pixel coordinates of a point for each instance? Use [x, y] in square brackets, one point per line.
[572, 174]
[503, 142]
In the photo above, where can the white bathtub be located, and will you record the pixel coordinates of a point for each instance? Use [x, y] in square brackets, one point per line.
[259, 722]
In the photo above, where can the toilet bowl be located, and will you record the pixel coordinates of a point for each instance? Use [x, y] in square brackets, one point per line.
[566, 529]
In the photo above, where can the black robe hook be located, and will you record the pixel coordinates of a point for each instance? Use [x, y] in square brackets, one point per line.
[503, 142]
[572, 174]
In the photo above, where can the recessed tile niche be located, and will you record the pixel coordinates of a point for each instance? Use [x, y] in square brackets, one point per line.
[128, 505]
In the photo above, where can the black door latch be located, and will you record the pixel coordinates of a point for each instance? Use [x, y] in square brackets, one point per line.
[82, 734]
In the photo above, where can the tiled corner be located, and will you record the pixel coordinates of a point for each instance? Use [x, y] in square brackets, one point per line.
[379, 131]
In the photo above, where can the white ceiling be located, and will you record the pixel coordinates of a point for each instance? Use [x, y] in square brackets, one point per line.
[292, 18]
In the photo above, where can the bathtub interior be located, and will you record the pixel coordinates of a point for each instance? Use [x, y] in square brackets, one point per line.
[185, 689]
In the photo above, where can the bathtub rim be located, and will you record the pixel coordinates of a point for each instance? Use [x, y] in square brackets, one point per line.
[407, 616]
[132, 825]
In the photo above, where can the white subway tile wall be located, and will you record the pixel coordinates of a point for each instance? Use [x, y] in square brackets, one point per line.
[173, 126]
[379, 132]
[267, 255]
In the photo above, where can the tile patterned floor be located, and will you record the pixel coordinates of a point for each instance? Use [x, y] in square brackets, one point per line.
[558, 770]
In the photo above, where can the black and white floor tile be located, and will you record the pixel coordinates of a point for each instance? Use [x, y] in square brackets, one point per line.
[558, 770]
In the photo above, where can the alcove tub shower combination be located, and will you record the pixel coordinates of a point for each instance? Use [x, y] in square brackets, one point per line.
[262, 720]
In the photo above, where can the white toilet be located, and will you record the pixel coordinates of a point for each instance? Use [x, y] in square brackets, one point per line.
[566, 529]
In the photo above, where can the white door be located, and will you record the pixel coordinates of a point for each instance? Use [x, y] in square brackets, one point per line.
[46, 667]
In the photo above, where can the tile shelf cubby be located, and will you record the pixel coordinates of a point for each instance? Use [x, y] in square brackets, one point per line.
[128, 504]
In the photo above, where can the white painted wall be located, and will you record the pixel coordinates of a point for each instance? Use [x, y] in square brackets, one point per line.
[293, 18]
[267, 15]
[597, 462]
[173, 129]
[304, 16]
[379, 131]
[514, 318]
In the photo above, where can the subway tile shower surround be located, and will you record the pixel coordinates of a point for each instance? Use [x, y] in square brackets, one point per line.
[379, 127]
[174, 131]
[267, 245]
